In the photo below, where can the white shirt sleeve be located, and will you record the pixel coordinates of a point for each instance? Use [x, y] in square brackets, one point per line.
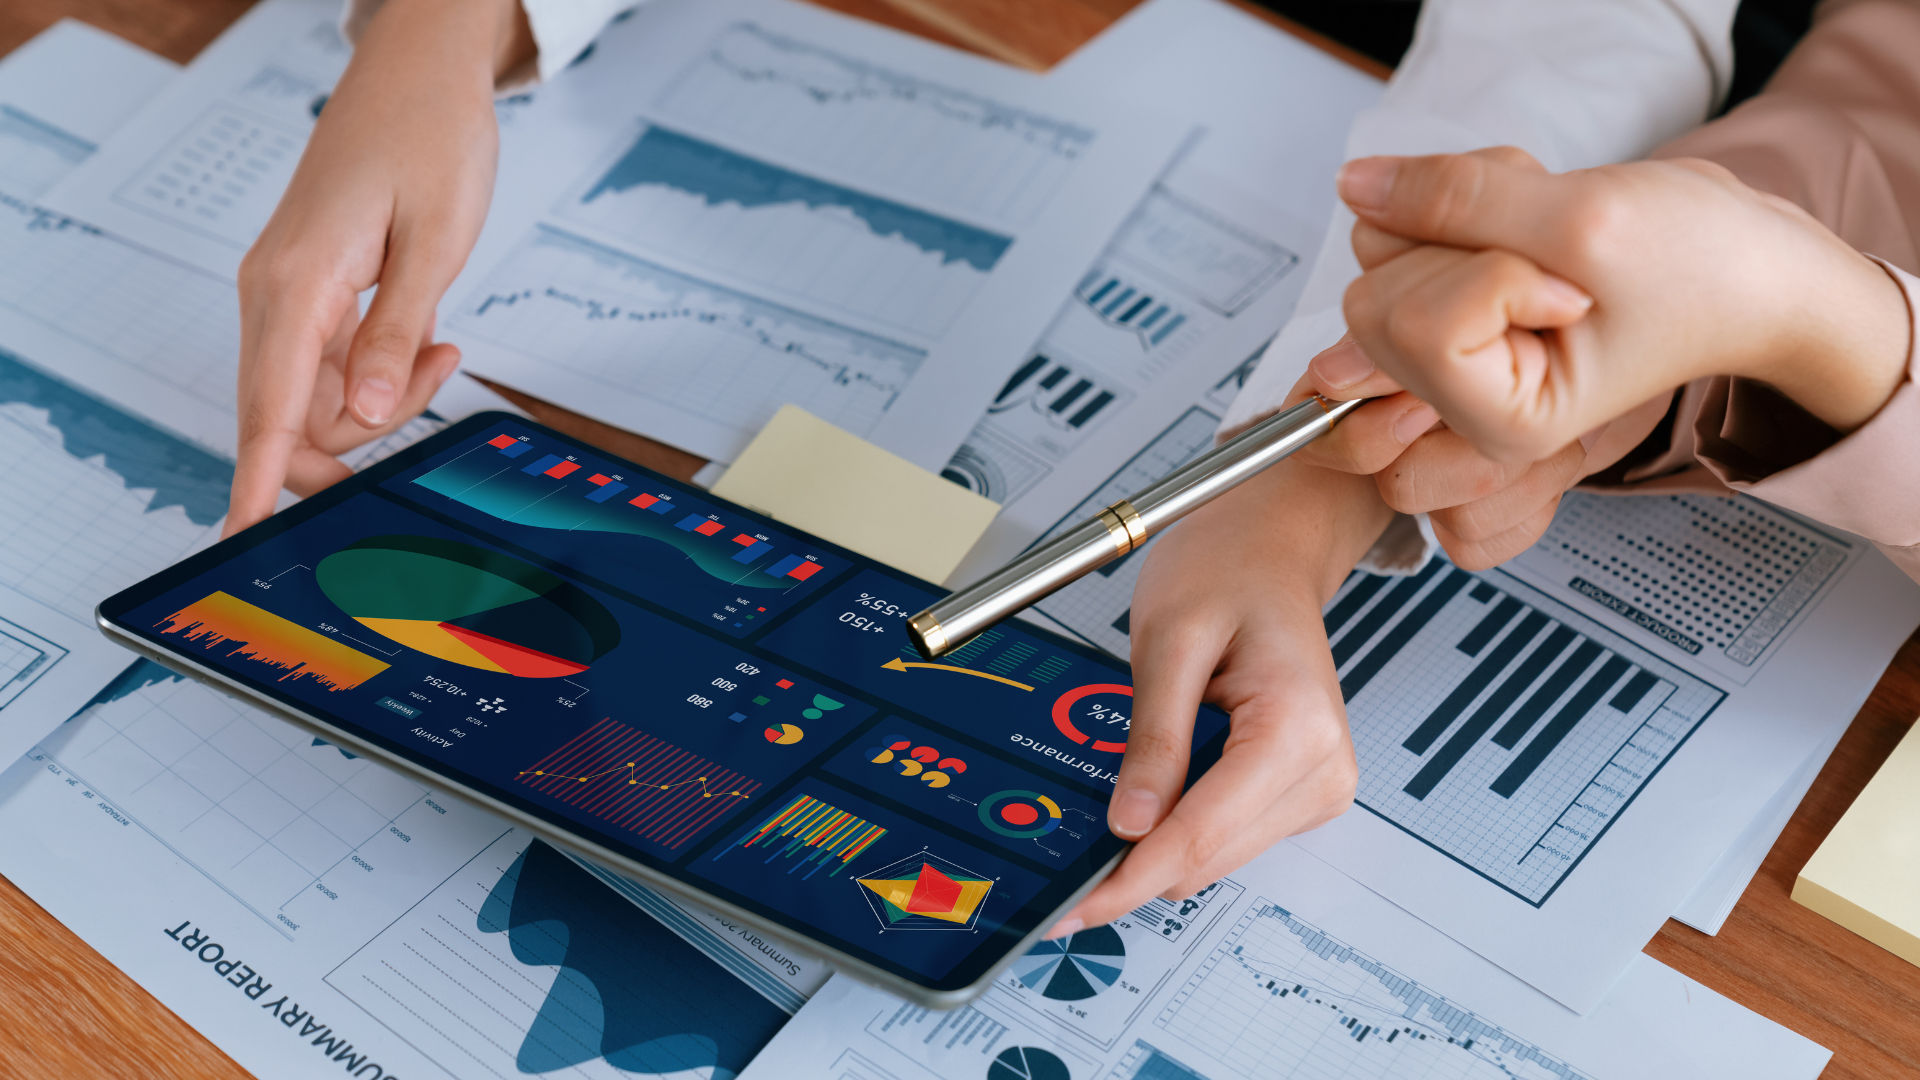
[1575, 83]
[562, 30]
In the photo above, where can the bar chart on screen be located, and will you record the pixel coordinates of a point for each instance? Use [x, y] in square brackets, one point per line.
[629, 531]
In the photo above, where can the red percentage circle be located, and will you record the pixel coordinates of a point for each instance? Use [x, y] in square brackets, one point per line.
[1065, 723]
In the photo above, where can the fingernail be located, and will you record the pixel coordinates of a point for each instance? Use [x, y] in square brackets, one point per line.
[374, 400]
[1365, 183]
[1134, 813]
[1064, 927]
[1343, 365]
[1566, 292]
[1414, 423]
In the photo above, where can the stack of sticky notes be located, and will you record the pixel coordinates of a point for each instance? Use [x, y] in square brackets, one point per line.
[1866, 875]
[810, 474]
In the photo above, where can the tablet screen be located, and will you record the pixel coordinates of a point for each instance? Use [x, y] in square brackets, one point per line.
[727, 701]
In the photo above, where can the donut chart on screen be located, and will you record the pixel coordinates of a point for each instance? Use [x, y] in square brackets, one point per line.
[1019, 814]
[468, 605]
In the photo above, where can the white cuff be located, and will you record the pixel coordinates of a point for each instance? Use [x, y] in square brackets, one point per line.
[1403, 549]
[562, 31]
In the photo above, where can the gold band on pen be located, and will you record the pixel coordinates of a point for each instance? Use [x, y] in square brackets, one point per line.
[1136, 529]
[1124, 525]
[1116, 528]
[927, 628]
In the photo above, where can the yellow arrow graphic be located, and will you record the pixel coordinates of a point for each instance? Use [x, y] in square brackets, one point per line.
[897, 664]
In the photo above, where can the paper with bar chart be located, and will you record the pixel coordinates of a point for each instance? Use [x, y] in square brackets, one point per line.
[1157, 336]
[1527, 737]
[1285, 969]
[765, 203]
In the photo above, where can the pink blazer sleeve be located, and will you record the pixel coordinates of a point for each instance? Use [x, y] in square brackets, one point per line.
[1867, 482]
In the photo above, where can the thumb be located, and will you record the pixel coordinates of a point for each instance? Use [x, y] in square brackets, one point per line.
[1499, 197]
[397, 328]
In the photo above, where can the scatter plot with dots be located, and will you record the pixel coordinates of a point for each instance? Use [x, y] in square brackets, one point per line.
[1720, 579]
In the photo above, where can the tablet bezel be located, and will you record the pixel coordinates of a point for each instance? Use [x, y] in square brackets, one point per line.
[966, 981]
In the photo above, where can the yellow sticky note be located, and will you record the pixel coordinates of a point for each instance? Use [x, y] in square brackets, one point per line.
[1866, 875]
[814, 476]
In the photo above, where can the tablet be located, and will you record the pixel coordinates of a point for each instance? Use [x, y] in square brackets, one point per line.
[678, 688]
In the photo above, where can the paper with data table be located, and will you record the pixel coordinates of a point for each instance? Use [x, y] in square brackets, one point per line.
[310, 911]
[1285, 969]
[129, 323]
[1141, 360]
[733, 205]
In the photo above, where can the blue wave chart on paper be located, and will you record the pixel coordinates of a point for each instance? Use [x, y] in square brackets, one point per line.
[628, 990]
[632, 532]
[718, 175]
[145, 457]
[803, 236]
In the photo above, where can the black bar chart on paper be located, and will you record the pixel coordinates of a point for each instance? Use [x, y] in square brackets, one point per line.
[1497, 725]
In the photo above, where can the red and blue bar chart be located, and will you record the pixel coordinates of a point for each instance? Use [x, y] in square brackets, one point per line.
[623, 528]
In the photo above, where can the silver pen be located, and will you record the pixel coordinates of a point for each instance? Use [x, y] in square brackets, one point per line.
[1121, 528]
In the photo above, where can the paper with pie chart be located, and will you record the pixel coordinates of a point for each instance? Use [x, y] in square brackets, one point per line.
[1075, 968]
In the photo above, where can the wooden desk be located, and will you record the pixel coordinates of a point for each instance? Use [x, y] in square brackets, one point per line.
[66, 1012]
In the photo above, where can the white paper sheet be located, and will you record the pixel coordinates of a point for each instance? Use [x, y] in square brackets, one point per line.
[1713, 899]
[133, 323]
[208, 849]
[1285, 969]
[62, 94]
[1144, 356]
[734, 205]
[83, 471]
[199, 172]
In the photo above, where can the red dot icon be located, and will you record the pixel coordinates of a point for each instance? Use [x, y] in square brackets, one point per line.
[1019, 814]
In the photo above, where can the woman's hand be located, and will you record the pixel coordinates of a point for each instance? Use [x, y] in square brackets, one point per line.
[1227, 610]
[1483, 512]
[1530, 308]
[391, 191]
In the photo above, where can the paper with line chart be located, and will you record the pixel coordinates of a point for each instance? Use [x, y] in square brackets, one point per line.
[359, 919]
[763, 203]
[97, 500]
[1286, 969]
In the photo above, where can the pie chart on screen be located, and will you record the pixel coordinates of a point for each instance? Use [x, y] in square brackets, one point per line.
[468, 605]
